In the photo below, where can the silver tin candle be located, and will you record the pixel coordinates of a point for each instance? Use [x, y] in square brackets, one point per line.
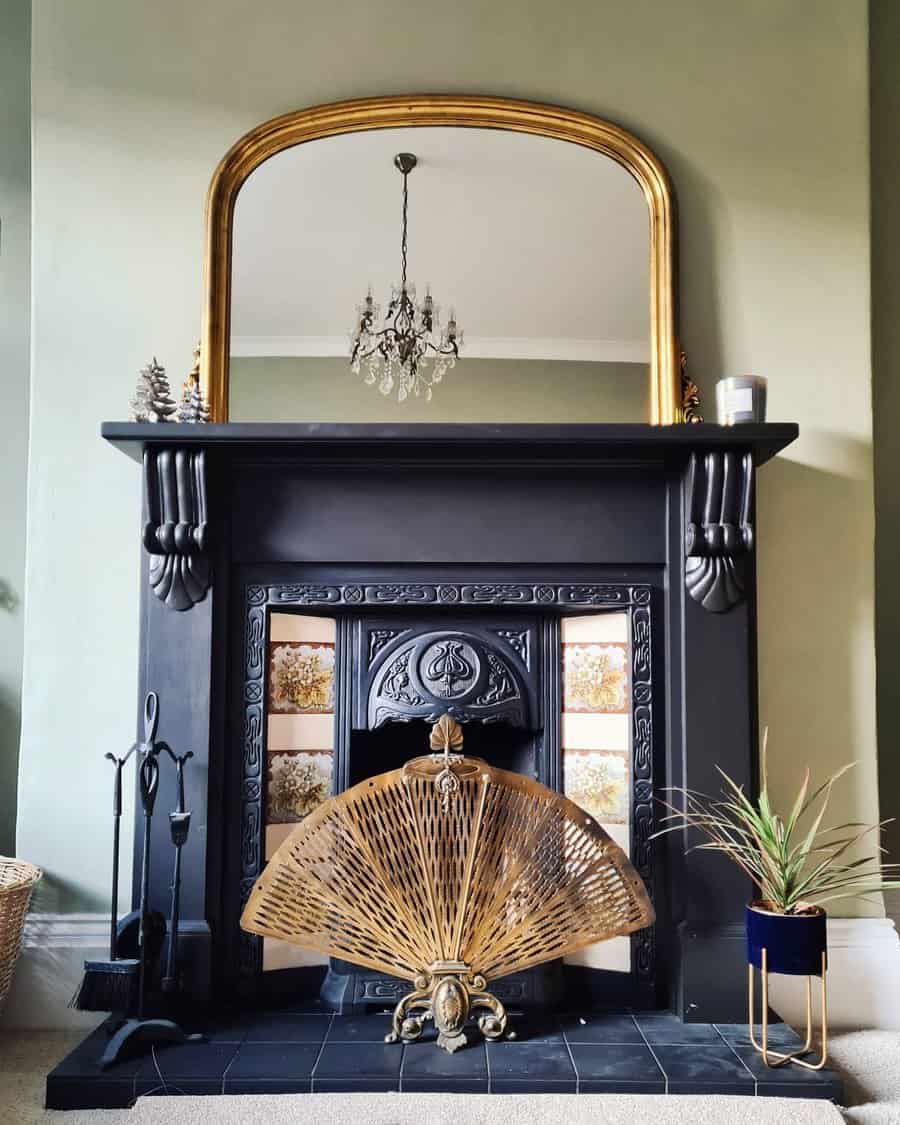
[741, 398]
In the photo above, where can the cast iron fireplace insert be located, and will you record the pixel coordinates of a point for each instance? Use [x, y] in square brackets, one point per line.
[511, 676]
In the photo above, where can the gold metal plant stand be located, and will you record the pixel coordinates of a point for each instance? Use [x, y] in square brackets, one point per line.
[778, 1058]
[448, 873]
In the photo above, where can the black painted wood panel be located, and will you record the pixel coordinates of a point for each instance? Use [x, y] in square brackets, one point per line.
[457, 514]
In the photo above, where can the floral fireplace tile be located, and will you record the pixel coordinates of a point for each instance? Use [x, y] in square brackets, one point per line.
[597, 781]
[298, 782]
[595, 678]
[301, 678]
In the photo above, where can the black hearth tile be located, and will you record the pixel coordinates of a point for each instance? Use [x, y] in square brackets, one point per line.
[362, 1085]
[77, 1082]
[620, 1086]
[779, 1034]
[622, 1067]
[445, 1085]
[825, 1083]
[202, 1064]
[533, 1027]
[283, 1027]
[225, 1029]
[429, 1061]
[665, 1028]
[350, 1061]
[275, 1068]
[530, 1063]
[84, 1060]
[182, 1088]
[269, 1086]
[88, 1093]
[533, 1085]
[704, 1068]
[832, 1092]
[600, 1028]
[360, 1029]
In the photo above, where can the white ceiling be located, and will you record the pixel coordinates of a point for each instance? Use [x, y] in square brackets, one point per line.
[541, 246]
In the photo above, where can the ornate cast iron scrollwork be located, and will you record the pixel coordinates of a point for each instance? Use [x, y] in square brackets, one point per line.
[455, 673]
[175, 527]
[719, 534]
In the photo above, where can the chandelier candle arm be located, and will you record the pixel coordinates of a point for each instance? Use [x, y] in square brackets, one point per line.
[407, 348]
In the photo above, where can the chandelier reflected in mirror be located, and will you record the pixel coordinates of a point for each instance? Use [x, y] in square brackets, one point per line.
[407, 349]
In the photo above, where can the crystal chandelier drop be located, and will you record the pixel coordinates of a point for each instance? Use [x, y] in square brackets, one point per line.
[407, 349]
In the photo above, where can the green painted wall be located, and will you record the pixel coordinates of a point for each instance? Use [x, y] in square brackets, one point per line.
[15, 231]
[476, 390]
[760, 112]
[885, 88]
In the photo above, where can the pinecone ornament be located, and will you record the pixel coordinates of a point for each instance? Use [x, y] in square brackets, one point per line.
[152, 400]
[192, 407]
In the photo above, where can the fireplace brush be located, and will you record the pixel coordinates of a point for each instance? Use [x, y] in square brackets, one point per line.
[111, 986]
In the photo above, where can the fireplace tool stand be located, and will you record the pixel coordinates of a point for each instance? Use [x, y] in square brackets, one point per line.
[138, 1028]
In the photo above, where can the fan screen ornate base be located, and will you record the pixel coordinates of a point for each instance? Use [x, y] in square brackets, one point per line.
[448, 873]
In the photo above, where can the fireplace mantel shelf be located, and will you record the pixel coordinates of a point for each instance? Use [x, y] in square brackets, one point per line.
[604, 441]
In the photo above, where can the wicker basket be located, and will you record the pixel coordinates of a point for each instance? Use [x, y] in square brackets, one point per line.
[17, 880]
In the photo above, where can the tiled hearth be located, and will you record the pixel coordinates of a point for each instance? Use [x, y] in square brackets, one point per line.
[295, 1052]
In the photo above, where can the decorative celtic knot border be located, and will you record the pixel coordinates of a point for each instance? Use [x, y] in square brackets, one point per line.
[543, 595]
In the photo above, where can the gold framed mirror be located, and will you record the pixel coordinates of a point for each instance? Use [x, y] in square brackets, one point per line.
[430, 111]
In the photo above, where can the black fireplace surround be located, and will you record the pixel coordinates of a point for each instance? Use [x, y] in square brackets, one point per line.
[454, 530]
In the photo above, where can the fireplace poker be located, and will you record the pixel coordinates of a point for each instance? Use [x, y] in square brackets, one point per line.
[179, 826]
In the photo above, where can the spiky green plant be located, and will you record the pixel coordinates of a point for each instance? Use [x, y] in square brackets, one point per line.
[792, 867]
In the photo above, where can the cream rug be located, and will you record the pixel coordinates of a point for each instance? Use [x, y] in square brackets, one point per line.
[485, 1109]
[870, 1064]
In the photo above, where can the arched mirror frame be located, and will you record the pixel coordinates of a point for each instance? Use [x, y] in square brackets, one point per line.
[402, 111]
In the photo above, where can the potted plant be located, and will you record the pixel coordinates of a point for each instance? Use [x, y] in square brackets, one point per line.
[796, 866]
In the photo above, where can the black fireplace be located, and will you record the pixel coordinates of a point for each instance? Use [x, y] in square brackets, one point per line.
[553, 589]
[450, 561]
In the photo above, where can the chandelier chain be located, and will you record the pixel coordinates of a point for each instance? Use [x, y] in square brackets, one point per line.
[403, 237]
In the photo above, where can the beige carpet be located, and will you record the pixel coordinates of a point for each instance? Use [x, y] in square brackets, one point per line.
[870, 1061]
[870, 1064]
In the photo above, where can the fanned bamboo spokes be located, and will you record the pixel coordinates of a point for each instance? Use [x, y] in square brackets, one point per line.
[496, 874]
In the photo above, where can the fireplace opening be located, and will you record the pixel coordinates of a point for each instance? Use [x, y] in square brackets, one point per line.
[389, 747]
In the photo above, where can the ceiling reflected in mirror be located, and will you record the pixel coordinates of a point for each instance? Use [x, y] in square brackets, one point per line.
[541, 247]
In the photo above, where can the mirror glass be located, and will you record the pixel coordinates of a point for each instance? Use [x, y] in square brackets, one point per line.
[538, 249]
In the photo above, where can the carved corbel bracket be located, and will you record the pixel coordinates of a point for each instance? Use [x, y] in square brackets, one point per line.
[175, 529]
[718, 535]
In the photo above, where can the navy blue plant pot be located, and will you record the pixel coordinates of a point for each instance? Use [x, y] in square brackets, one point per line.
[794, 943]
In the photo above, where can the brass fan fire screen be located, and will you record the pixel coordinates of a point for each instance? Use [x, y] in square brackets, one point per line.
[448, 873]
